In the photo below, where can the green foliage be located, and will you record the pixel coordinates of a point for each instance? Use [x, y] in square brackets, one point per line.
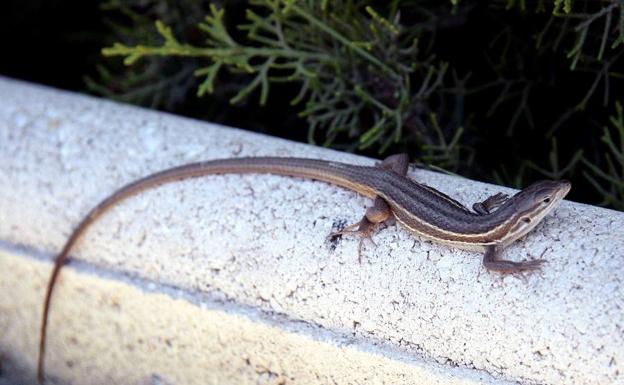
[609, 180]
[565, 5]
[367, 67]
[553, 170]
[402, 75]
[164, 83]
[597, 24]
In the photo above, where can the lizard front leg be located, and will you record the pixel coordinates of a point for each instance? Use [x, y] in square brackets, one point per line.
[488, 205]
[491, 262]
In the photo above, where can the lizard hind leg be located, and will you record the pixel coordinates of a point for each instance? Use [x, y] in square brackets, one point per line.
[378, 213]
[398, 163]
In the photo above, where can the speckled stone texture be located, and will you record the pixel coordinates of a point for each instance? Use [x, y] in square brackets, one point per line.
[232, 280]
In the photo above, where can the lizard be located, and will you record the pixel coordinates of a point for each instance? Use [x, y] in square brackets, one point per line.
[490, 227]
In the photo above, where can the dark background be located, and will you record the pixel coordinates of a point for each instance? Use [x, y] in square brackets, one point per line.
[58, 43]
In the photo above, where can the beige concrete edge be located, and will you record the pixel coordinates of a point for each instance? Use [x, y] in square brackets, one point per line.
[114, 330]
[260, 242]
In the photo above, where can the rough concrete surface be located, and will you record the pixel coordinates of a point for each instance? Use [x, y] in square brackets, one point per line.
[231, 279]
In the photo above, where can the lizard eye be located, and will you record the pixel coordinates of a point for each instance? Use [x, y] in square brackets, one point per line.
[526, 220]
[547, 200]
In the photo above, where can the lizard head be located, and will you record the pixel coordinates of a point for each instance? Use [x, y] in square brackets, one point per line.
[533, 203]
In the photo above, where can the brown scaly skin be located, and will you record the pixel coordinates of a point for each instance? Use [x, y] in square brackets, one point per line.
[492, 226]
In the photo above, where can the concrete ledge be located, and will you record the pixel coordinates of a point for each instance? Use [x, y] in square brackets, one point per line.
[133, 334]
[230, 279]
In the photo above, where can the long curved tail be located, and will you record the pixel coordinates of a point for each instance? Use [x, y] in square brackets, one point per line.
[340, 174]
